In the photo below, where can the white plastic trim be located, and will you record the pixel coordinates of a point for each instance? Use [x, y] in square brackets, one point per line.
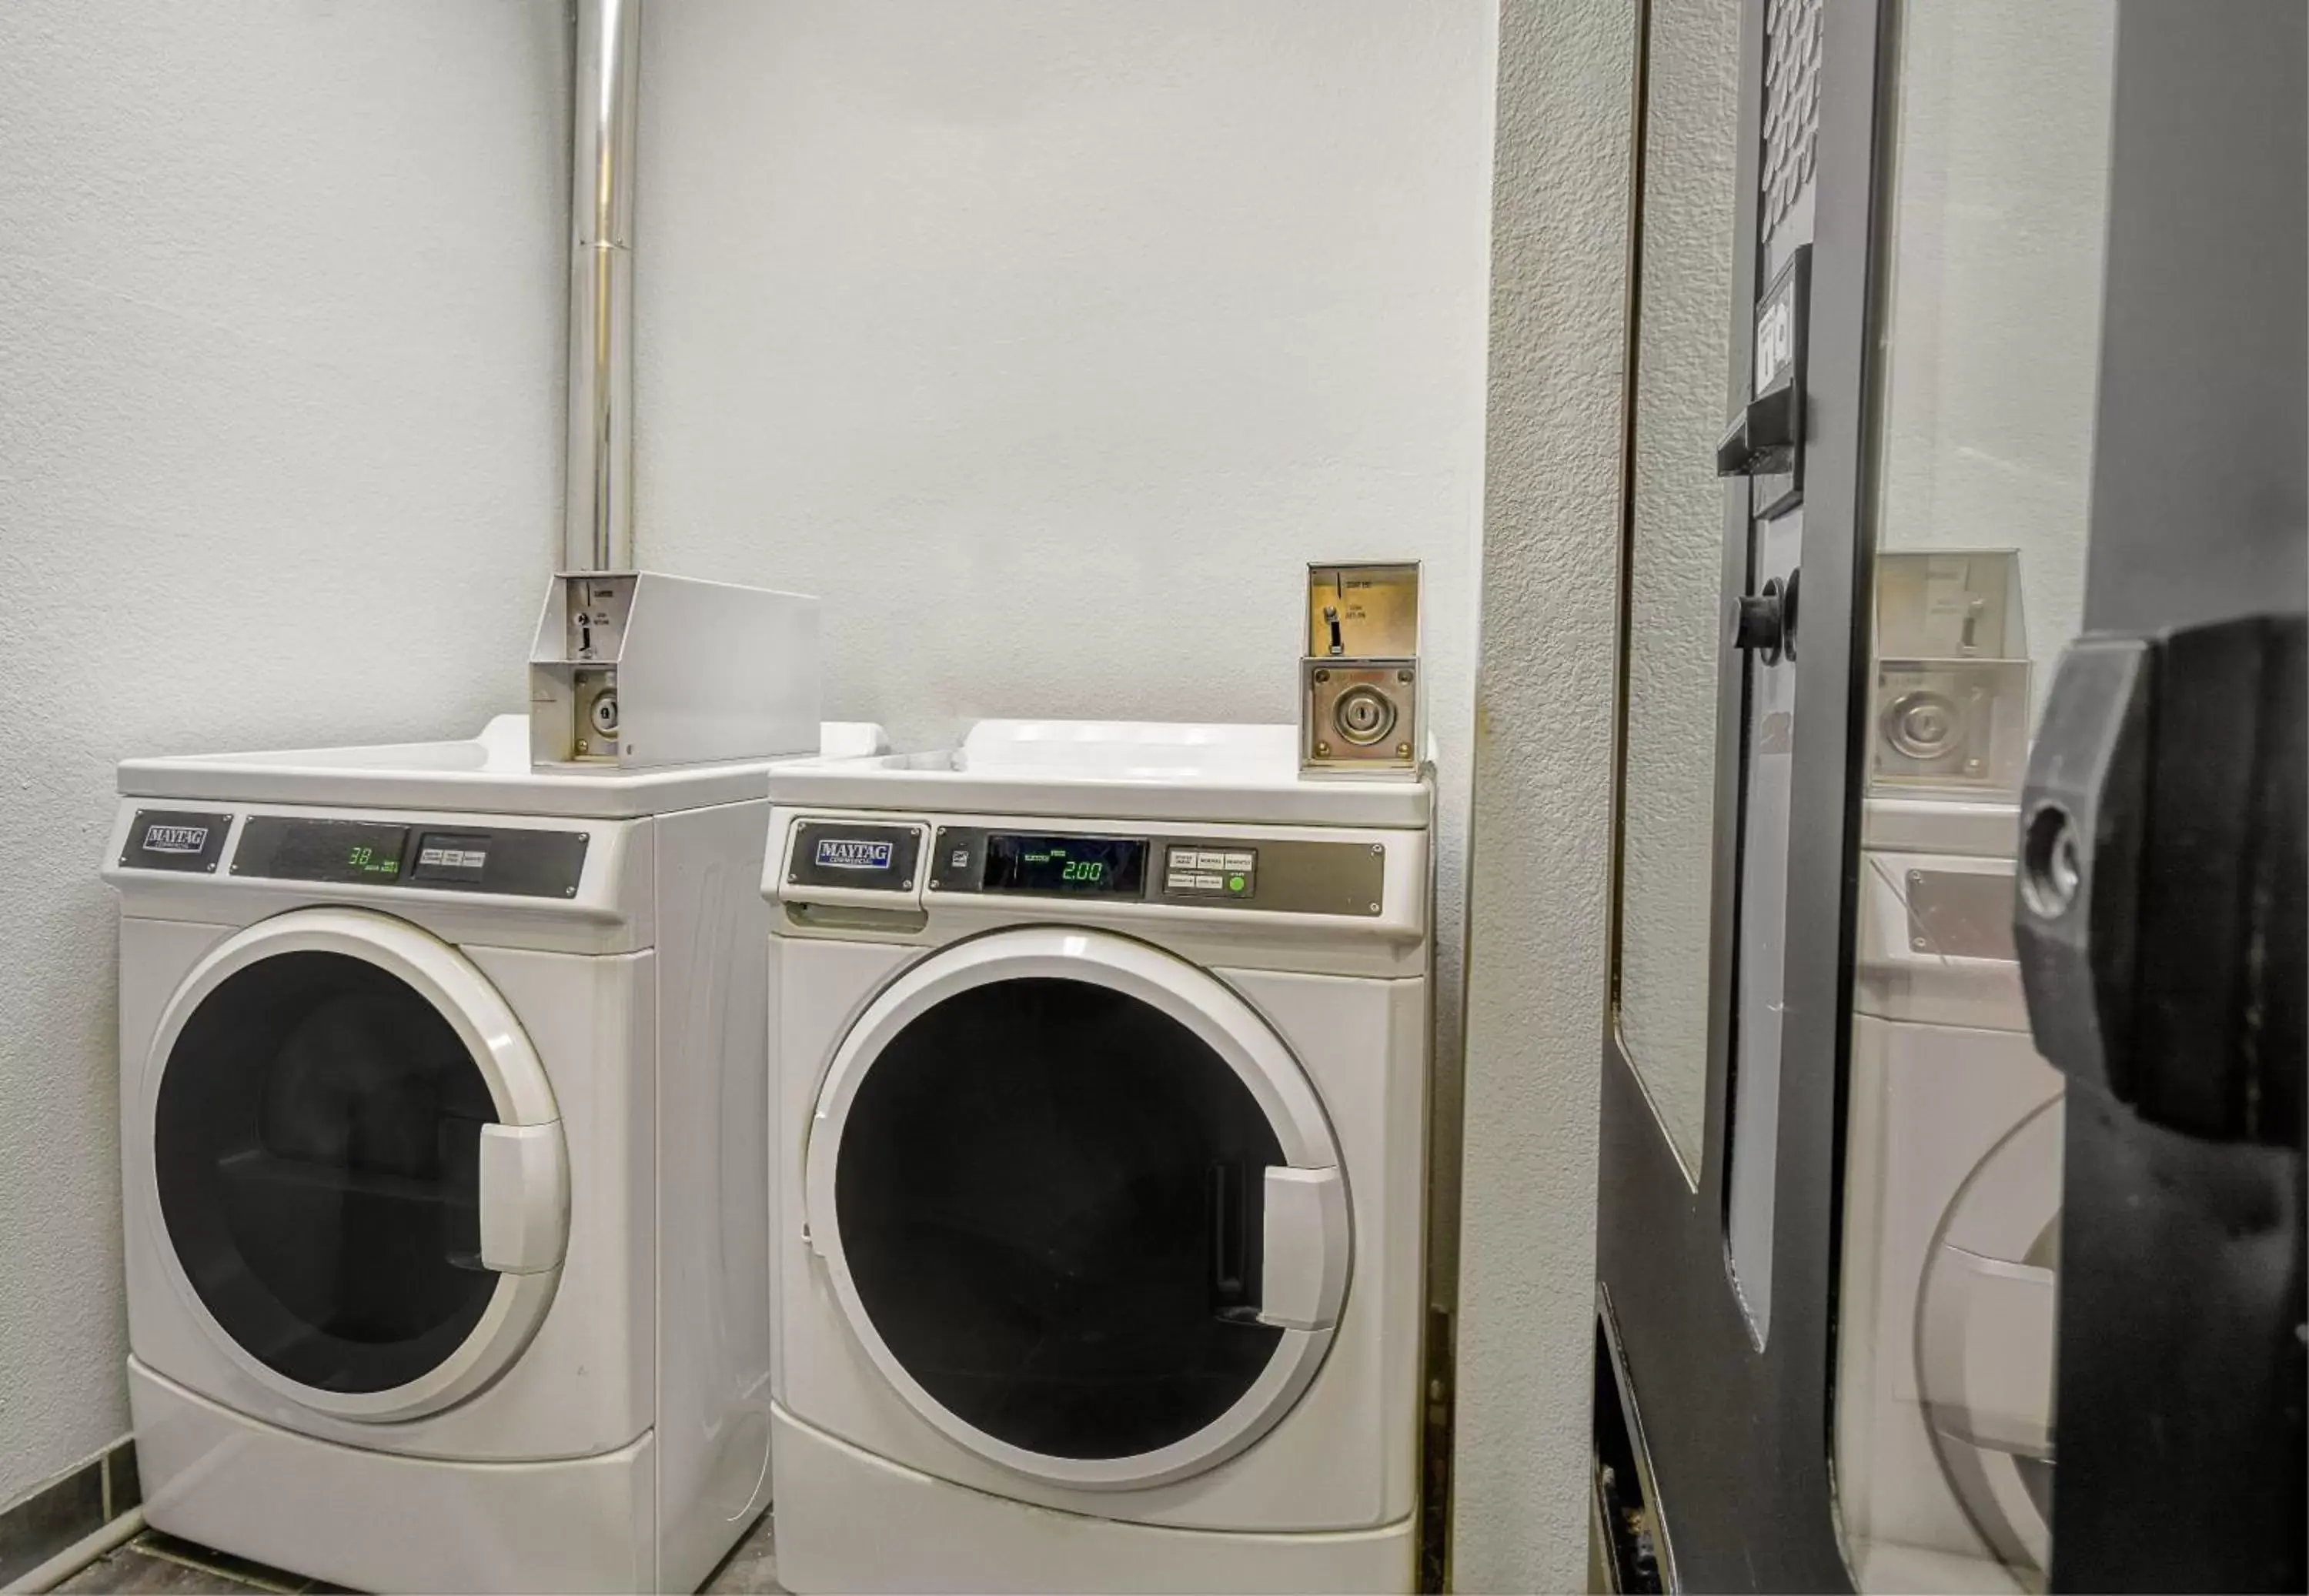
[1304, 1275]
[518, 1089]
[445, 978]
[524, 1198]
[1987, 1325]
[1232, 1029]
[490, 774]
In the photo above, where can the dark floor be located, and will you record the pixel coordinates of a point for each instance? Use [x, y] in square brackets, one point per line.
[157, 1565]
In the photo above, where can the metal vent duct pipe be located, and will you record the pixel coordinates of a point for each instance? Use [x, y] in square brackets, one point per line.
[598, 513]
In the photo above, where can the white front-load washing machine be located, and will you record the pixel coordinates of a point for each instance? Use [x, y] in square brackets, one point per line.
[1101, 1061]
[442, 1092]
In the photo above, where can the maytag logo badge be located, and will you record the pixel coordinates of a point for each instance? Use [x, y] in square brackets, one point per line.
[852, 853]
[176, 839]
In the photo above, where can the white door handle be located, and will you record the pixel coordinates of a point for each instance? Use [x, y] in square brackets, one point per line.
[524, 1197]
[1303, 1277]
[1986, 1347]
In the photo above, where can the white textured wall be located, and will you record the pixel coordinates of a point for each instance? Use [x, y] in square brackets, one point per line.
[1049, 341]
[1542, 798]
[280, 298]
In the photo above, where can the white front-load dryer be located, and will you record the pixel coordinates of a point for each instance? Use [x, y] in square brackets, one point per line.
[1952, 1215]
[1101, 1061]
[442, 1087]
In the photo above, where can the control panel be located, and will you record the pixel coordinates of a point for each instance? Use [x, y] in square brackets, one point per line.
[1283, 877]
[344, 852]
[504, 861]
[1210, 872]
[390, 858]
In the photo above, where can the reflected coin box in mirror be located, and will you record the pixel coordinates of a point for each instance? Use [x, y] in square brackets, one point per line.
[1952, 672]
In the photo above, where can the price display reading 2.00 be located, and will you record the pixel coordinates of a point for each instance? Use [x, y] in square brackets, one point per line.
[1088, 866]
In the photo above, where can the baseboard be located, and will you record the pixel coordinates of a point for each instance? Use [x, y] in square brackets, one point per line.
[72, 1505]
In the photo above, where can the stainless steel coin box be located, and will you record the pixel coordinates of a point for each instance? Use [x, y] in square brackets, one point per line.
[1360, 700]
[1951, 701]
[638, 669]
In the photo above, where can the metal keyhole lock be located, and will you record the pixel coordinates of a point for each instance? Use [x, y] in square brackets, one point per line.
[1923, 724]
[1364, 716]
[1765, 622]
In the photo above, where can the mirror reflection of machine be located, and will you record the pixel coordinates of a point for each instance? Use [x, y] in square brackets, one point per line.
[1952, 1168]
[1951, 673]
[1984, 1341]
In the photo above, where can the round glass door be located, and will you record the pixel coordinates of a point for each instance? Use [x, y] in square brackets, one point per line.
[319, 1134]
[1050, 1207]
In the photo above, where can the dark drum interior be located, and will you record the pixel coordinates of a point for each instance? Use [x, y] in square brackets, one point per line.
[1049, 1197]
[317, 1142]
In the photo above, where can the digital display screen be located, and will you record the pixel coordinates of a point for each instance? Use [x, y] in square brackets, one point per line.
[351, 852]
[1071, 866]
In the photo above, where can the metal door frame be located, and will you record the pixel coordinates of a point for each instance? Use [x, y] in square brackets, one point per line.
[1736, 1437]
[2200, 419]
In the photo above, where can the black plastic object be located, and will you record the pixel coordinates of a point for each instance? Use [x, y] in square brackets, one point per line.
[1762, 432]
[1764, 623]
[2160, 911]
[1766, 440]
[2160, 926]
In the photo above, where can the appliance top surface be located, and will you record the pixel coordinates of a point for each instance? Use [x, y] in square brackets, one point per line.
[489, 772]
[1138, 769]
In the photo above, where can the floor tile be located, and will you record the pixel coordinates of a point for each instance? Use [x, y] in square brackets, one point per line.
[157, 1565]
[136, 1568]
[751, 1568]
[244, 1573]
